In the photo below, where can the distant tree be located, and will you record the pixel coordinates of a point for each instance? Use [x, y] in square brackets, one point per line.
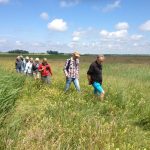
[52, 52]
[18, 51]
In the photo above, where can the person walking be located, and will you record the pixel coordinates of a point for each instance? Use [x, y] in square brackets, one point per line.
[28, 69]
[18, 64]
[45, 70]
[35, 67]
[22, 64]
[71, 71]
[25, 61]
[94, 75]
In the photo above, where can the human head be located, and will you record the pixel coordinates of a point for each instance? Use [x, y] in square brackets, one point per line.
[31, 60]
[76, 55]
[27, 58]
[21, 57]
[100, 58]
[37, 60]
[45, 61]
[18, 58]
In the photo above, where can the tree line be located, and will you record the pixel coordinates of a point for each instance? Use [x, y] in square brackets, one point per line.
[18, 51]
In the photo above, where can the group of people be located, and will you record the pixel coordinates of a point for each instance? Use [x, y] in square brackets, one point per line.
[94, 74]
[43, 70]
[31, 67]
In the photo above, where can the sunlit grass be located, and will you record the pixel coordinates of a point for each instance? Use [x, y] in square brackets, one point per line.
[44, 117]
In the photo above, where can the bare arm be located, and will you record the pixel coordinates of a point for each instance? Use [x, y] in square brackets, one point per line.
[89, 78]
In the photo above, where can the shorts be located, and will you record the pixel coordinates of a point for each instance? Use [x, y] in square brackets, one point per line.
[97, 88]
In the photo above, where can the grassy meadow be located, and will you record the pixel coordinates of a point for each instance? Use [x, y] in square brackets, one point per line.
[35, 116]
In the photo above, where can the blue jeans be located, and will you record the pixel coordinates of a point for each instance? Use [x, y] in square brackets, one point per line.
[97, 88]
[18, 70]
[75, 81]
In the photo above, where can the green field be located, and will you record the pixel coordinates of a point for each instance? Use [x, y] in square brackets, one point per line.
[34, 116]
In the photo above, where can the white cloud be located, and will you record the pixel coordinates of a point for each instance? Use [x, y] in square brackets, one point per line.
[4, 1]
[37, 44]
[135, 44]
[136, 37]
[122, 26]
[145, 26]
[3, 41]
[76, 39]
[69, 3]
[85, 41]
[111, 46]
[115, 34]
[58, 25]
[19, 43]
[112, 6]
[104, 33]
[44, 15]
[77, 35]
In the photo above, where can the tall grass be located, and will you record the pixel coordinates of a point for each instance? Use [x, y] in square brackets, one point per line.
[10, 86]
[47, 118]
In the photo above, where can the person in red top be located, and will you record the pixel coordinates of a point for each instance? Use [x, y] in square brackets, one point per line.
[45, 70]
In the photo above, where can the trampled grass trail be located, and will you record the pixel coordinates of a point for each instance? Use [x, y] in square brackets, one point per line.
[44, 117]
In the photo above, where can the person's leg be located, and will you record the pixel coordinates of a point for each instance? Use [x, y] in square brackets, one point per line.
[98, 90]
[17, 70]
[68, 82]
[76, 84]
[20, 70]
[30, 74]
[48, 79]
[43, 79]
[38, 75]
[95, 91]
[34, 75]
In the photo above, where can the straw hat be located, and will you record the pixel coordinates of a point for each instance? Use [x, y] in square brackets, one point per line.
[76, 53]
[18, 57]
[37, 59]
[31, 59]
[45, 60]
[27, 57]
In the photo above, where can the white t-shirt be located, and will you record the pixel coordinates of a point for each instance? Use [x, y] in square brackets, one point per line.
[28, 68]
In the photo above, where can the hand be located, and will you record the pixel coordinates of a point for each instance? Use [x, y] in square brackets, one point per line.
[89, 82]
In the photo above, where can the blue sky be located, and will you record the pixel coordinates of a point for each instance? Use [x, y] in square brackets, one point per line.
[89, 26]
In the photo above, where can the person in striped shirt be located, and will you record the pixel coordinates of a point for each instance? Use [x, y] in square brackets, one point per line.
[71, 71]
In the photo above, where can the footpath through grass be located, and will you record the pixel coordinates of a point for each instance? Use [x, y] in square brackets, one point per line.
[44, 117]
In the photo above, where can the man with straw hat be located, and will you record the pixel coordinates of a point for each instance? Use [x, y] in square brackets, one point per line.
[71, 71]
